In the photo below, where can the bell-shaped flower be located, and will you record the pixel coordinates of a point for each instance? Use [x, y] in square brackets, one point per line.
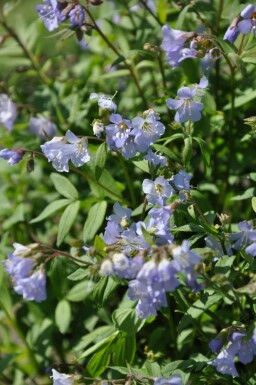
[8, 112]
[60, 150]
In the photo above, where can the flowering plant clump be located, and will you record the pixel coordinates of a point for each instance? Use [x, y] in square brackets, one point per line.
[128, 231]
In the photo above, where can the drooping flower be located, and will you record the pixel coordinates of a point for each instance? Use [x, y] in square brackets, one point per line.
[77, 15]
[186, 258]
[174, 45]
[8, 112]
[60, 150]
[155, 160]
[12, 156]
[224, 363]
[28, 280]
[186, 106]
[42, 127]
[232, 31]
[49, 14]
[62, 378]
[175, 379]
[104, 102]
[246, 235]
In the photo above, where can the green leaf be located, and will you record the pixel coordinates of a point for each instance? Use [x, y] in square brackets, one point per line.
[254, 204]
[99, 361]
[249, 193]
[64, 186]
[78, 274]
[50, 209]
[80, 291]
[181, 17]
[152, 368]
[250, 288]
[63, 315]
[95, 218]
[66, 221]
[125, 349]
[105, 342]
[126, 321]
[100, 160]
[190, 227]
[207, 299]
[205, 151]
[142, 165]
[162, 10]
[103, 289]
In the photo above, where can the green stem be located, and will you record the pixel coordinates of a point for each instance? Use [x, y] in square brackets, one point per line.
[144, 3]
[116, 51]
[220, 9]
[129, 181]
[27, 53]
[19, 332]
[94, 180]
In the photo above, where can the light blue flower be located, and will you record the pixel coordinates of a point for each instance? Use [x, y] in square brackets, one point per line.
[49, 14]
[224, 363]
[77, 15]
[42, 127]
[12, 156]
[249, 22]
[186, 106]
[157, 191]
[60, 150]
[8, 112]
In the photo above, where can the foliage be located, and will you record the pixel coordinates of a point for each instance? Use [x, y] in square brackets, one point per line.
[133, 192]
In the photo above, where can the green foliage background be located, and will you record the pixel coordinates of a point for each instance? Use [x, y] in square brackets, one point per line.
[88, 324]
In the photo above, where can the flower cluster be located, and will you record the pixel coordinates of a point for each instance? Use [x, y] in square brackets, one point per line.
[238, 345]
[245, 23]
[188, 104]
[60, 150]
[130, 136]
[145, 248]
[29, 281]
[53, 12]
[62, 378]
[181, 45]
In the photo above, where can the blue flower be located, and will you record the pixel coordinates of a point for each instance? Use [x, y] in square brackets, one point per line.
[249, 22]
[147, 130]
[42, 127]
[224, 363]
[154, 160]
[32, 287]
[49, 14]
[62, 378]
[60, 150]
[117, 132]
[12, 156]
[157, 191]
[246, 348]
[28, 282]
[242, 238]
[8, 112]
[174, 45]
[232, 31]
[77, 15]
[187, 108]
[173, 380]
[186, 258]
